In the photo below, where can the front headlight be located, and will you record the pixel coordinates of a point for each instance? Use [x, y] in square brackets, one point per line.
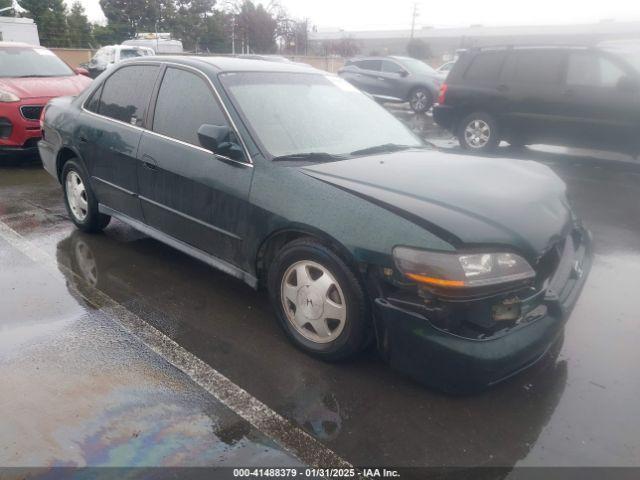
[462, 271]
[7, 97]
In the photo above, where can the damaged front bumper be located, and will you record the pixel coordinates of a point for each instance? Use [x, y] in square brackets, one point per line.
[450, 362]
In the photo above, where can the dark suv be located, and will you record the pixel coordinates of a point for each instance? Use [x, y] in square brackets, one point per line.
[574, 96]
[394, 79]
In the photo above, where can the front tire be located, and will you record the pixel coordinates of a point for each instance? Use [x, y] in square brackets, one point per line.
[478, 131]
[80, 200]
[319, 301]
[420, 100]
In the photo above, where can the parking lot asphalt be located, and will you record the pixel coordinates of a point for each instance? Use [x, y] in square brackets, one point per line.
[80, 387]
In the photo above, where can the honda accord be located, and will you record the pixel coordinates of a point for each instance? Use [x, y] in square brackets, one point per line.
[462, 270]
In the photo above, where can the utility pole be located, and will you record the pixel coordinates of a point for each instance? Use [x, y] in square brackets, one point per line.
[233, 35]
[414, 15]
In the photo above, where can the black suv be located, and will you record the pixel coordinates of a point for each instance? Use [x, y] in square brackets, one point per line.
[574, 96]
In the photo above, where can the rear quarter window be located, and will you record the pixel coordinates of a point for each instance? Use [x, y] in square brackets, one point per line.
[485, 67]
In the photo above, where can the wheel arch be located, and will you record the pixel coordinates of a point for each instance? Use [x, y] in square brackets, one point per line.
[277, 239]
[65, 154]
[422, 85]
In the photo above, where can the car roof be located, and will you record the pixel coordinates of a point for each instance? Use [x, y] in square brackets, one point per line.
[232, 64]
[489, 48]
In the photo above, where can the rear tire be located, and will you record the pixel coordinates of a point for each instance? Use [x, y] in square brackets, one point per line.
[479, 132]
[319, 301]
[420, 100]
[80, 200]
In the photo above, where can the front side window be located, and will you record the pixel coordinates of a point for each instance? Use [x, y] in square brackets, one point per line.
[312, 113]
[17, 62]
[415, 66]
[126, 94]
[589, 69]
[391, 67]
[185, 103]
[375, 65]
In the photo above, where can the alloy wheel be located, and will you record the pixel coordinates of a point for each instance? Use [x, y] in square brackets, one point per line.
[477, 133]
[313, 301]
[77, 196]
[419, 101]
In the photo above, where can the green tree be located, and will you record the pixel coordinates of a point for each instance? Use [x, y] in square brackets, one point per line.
[193, 23]
[51, 18]
[6, 4]
[256, 28]
[106, 35]
[417, 48]
[128, 17]
[79, 27]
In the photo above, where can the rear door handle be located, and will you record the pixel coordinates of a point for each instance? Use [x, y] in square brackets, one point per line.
[503, 88]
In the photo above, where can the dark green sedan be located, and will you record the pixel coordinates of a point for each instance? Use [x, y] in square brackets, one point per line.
[462, 270]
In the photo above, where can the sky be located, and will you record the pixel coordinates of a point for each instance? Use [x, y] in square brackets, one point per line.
[396, 14]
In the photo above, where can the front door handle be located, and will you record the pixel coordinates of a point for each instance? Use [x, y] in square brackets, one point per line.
[150, 166]
[149, 163]
[503, 88]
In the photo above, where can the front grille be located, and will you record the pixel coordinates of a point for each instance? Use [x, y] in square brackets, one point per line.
[31, 112]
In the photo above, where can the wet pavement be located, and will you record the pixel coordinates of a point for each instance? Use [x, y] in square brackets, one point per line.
[81, 389]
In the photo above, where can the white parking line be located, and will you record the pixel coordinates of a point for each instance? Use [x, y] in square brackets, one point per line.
[291, 438]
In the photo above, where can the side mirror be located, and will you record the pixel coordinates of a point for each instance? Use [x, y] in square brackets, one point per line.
[404, 73]
[81, 71]
[220, 140]
[212, 136]
[628, 84]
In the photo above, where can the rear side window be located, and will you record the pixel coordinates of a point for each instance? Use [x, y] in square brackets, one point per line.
[375, 65]
[485, 67]
[126, 93]
[185, 92]
[535, 66]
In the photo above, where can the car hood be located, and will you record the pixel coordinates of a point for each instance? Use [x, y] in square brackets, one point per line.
[45, 87]
[465, 200]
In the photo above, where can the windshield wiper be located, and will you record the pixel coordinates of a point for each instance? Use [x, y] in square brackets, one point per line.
[308, 156]
[387, 147]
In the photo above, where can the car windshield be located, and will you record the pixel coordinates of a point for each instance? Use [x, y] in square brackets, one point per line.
[132, 53]
[416, 66]
[31, 62]
[309, 113]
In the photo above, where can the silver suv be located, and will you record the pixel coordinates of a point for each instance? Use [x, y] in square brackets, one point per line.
[394, 79]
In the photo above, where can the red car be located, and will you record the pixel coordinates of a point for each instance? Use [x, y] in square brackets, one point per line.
[30, 76]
